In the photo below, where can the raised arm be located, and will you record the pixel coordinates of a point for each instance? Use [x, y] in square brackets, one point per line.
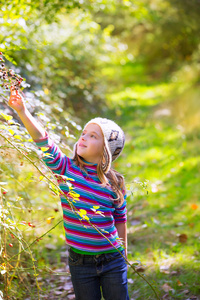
[16, 102]
[56, 161]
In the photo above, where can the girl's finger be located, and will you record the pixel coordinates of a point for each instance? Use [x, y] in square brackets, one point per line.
[18, 96]
[14, 98]
[13, 92]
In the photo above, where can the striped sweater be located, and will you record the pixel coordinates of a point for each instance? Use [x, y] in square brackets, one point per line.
[91, 201]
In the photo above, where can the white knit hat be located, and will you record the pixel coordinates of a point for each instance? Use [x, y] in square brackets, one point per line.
[114, 140]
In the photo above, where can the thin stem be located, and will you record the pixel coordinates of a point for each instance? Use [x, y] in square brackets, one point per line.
[31, 244]
[4, 249]
[76, 212]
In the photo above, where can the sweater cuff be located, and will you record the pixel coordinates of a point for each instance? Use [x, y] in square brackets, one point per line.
[44, 142]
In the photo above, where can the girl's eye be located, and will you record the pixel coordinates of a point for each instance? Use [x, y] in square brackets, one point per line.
[93, 136]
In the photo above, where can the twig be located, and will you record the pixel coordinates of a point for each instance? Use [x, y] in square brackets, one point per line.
[4, 249]
[76, 212]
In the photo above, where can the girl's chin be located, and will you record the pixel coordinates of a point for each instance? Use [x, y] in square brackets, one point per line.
[79, 154]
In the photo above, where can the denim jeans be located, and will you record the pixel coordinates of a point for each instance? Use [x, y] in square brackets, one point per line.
[92, 273]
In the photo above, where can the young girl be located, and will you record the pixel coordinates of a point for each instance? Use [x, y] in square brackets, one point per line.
[95, 265]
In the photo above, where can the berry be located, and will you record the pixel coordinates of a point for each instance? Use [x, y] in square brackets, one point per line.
[3, 65]
[11, 72]
[1, 53]
[11, 245]
[31, 225]
[4, 192]
[39, 239]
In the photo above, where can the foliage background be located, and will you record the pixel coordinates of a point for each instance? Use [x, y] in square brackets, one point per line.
[136, 62]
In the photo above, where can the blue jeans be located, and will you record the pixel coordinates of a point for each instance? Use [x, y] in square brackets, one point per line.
[91, 273]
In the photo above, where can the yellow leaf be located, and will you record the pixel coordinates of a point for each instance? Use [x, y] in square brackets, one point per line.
[76, 199]
[71, 179]
[179, 283]
[44, 149]
[96, 207]
[99, 213]
[83, 212]
[11, 131]
[7, 117]
[48, 220]
[48, 154]
[73, 194]
[46, 91]
[18, 137]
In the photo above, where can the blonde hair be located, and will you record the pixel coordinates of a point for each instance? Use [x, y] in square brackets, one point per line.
[112, 178]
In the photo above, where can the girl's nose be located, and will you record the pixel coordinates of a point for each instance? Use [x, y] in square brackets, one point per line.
[83, 138]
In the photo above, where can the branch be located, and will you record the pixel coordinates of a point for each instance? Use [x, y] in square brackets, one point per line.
[76, 212]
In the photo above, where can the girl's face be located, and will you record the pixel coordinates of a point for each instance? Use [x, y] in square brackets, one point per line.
[91, 143]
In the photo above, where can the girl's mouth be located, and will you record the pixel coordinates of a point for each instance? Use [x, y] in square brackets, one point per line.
[81, 145]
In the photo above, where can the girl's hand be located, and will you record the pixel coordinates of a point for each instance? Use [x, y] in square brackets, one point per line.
[16, 101]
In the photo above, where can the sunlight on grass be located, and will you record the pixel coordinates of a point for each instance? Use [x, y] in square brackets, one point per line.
[140, 95]
[160, 151]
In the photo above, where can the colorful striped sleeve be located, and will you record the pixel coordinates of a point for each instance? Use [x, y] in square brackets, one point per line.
[120, 213]
[55, 159]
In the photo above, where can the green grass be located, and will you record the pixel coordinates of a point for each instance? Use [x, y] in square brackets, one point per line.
[159, 151]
